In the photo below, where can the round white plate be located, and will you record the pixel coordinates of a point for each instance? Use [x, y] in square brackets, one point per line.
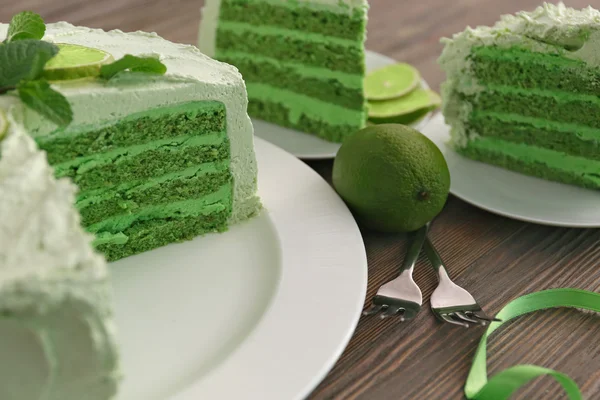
[262, 311]
[307, 146]
[515, 195]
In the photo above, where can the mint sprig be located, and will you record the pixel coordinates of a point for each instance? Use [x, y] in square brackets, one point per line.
[25, 25]
[22, 59]
[39, 96]
[149, 65]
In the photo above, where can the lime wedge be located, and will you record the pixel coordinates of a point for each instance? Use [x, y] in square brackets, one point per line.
[3, 124]
[405, 109]
[391, 81]
[75, 62]
[406, 119]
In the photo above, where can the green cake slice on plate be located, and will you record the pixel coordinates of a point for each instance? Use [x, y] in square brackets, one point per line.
[157, 158]
[303, 61]
[525, 93]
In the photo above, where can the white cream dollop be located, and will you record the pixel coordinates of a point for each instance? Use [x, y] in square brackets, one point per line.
[57, 338]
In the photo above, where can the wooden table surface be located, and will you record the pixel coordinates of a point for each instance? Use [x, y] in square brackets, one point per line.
[495, 258]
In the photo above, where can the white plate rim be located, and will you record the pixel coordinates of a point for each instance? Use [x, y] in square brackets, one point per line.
[332, 305]
[440, 135]
[329, 149]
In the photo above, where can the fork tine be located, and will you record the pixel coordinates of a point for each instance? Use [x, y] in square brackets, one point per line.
[373, 310]
[465, 317]
[391, 310]
[483, 316]
[450, 320]
[406, 315]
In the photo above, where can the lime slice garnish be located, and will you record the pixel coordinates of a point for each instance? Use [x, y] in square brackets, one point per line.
[391, 81]
[420, 99]
[75, 62]
[3, 124]
[405, 119]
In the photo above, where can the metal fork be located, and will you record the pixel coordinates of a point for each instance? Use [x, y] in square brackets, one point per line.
[402, 296]
[449, 302]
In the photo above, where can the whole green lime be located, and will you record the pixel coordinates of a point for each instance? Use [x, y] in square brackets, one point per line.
[393, 177]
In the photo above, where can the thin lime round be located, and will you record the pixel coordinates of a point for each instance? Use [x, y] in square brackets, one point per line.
[392, 177]
[3, 124]
[391, 81]
[75, 62]
[416, 100]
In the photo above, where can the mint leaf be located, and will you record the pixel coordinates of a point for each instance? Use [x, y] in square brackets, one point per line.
[148, 65]
[39, 96]
[25, 25]
[24, 59]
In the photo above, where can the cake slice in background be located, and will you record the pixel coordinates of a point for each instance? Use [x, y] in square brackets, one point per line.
[157, 158]
[56, 331]
[525, 93]
[303, 61]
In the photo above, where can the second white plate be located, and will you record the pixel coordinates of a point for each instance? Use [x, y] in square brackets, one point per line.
[515, 195]
[307, 146]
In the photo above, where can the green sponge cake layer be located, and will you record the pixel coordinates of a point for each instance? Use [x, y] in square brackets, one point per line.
[311, 50]
[217, 201]
[128, 201]
[538, 132]
[561, 106]
[112, 171]
[516, 66]
[285, 15]
[307, 55]
[536, 161]
[334, 87]
[524, 94]
[279, 114]
[147, 235]
[193, 118]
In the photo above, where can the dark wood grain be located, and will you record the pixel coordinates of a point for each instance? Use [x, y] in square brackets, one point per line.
[496, 258]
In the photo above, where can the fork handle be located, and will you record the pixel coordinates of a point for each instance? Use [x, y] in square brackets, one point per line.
[433, 256]
[414, 249]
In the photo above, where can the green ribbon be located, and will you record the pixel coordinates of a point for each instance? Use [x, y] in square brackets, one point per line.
[506, 382]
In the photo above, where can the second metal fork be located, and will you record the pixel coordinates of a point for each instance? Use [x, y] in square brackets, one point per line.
[449, 302]
[402, 296]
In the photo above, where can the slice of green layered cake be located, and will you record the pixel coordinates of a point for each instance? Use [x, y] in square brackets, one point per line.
[525, 93]
[157, 158]
[303, 60]
[57, 339]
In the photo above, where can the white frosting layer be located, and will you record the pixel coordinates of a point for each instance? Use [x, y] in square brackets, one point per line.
[210, 16]
[56, 332]
[549, 28]
[191, 76]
